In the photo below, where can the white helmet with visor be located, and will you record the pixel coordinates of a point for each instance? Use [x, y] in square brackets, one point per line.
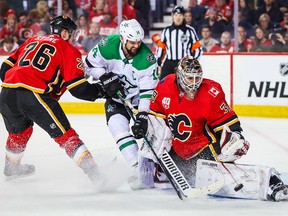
[131, 30]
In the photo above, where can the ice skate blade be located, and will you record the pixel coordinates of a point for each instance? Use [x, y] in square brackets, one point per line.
[15, 177]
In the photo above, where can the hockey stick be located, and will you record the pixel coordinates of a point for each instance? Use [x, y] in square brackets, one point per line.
[174, 175]
[131, 111]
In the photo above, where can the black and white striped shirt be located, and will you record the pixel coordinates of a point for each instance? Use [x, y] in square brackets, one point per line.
[177, 42]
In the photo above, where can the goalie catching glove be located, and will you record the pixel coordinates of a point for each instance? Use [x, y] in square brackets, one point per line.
[233, 146]
[140, 126]
[112, 84]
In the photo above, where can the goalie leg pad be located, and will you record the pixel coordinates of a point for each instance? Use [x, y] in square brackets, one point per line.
[255, 179]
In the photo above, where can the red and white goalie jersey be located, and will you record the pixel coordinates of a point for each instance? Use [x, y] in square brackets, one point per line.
[194, 123]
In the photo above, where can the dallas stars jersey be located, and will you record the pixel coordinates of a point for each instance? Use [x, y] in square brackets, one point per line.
[139, 75]
[38, 65]
[193, 123]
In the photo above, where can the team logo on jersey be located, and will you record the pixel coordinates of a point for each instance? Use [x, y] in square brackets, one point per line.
[225, 108]
[180, 126]
[166, 102]
[154, 95]
[80, 64]
[151, 58]
[284, 69]
[103, 42]
[184, 38]
[111, 108]
[214, 91]
[126, 83]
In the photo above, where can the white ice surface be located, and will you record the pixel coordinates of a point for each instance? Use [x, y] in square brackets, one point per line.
[60, 188]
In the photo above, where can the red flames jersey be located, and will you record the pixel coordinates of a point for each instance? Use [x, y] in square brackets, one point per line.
[193, 123]
[45, 64]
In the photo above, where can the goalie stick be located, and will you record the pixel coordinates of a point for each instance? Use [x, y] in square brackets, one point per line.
[174, 175]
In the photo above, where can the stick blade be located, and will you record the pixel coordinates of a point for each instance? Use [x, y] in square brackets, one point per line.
[192, 193]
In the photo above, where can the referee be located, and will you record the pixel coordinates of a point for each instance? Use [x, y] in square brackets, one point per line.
[177, 41]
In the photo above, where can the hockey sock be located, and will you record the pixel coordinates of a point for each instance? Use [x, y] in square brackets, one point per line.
[16, 144]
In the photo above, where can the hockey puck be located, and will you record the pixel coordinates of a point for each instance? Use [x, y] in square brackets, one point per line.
[238, 187]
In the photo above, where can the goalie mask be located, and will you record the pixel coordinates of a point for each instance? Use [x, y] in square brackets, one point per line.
[131, 30]
[189, 75]
[64, 22]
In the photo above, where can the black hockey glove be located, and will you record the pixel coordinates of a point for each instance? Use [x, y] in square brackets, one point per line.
[112, 84]
[140, 126]
[102, 93]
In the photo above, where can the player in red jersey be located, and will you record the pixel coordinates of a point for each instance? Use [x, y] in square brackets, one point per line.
[195, 110]
[34, 78]
[202, 124]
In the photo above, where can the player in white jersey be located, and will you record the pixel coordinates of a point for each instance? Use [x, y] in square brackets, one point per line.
[124, 63]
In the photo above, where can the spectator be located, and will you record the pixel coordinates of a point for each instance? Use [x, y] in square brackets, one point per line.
[207, 41]
[189, 20]
[261, 43]
[108, 25]
[224, 11]
[154, 46]
[207, 3]
[93, 39]
[216, 27]
[270, 8]
[66, 9]
[279, 44]
[283, 5]
[242, 21]
[9, 46]
[244, 43]
[83, 7]
[41, 15]
[96, 14]
[83, 28]
[264, 22]
[247, 12]
[17, 39]
[226, 46]
[284, 23]
[10, 28]
[128, 11]
[26, 27]
[198, 11]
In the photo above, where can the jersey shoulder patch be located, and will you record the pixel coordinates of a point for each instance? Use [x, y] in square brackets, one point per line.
[109, 47]
[144, 59]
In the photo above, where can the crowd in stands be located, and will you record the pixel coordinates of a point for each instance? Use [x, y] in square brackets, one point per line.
[263, 24]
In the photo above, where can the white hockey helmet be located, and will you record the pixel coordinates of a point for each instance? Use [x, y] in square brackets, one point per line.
[189, 75]
[131, 30]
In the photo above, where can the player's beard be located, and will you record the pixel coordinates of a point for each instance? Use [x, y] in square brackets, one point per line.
[132, 53]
